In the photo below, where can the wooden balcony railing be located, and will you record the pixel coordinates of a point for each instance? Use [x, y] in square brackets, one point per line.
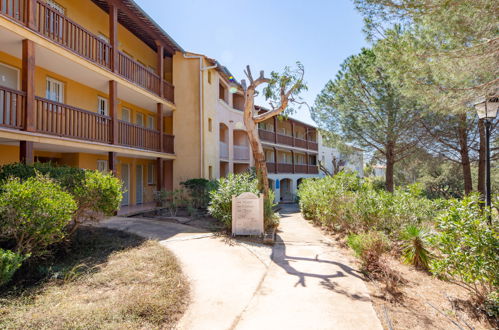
[313, 169]
[168, 91]
[285, 139]
[72, 36]
[15, 9]
[300, 168]
[224, 150]
[136, 136]
[59, 119]
[300, 143]
[313, 145]
[11, 107]
[168, 143]
[266, 135]
[137, 73]
[271, 167]
[67, 33]
[241, 153]
[285, 168]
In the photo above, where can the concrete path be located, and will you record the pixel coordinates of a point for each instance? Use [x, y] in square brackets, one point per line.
[302, 282]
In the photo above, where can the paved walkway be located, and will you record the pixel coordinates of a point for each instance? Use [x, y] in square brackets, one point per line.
[302, 282]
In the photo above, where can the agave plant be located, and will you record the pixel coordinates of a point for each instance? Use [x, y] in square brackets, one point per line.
[414, 250]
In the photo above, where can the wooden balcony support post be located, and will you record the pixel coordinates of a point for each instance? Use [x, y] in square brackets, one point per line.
[159, 126]
[307, 161]
[293, 160]
[113, 35]
[31, 14]
[113, 111]
[160, 70]
[26, 152]
[275, 129]
[293, 132]
[160, 181]
[28, 84]
[112, 163]
[276, 161]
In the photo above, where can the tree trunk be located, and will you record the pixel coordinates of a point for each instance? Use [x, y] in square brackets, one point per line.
[258, 155]
[390, 162]
[465, 157]
[482, 159]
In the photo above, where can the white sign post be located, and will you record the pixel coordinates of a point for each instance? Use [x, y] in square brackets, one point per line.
[247, 214]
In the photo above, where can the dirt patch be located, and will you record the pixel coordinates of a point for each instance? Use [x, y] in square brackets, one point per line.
[422, 302]
[113, 281]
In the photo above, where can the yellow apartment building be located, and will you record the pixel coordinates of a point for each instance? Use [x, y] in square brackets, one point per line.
[90, 84]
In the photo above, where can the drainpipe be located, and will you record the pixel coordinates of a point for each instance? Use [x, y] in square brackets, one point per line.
[201, 108]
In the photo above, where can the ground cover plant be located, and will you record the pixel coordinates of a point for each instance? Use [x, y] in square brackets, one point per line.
[451, 239]
[42, 205]
[220, 206]
[103, 279]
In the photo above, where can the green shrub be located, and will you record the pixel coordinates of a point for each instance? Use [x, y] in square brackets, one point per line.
[270, 216]
[97, 195]
[68, 177]
[343, 203]
[10, 262]
[468, 246]
[369, 247]
[414, 248]
[199, 191]
[221, 199]
[34, 213]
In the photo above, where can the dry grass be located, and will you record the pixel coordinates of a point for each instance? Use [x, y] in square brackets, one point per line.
[138, 285]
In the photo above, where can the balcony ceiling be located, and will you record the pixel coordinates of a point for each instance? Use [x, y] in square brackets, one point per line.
[131, 16]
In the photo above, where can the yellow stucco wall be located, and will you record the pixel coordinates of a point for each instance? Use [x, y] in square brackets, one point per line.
[211, 143]
[75, 94]
[186, 119]
[10, 154]
[95, 20]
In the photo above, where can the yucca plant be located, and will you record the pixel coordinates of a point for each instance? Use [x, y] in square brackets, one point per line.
[414, 250]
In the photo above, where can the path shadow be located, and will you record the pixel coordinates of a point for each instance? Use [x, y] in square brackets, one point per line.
[280, 257]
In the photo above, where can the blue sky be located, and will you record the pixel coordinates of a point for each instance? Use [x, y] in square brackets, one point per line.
[266, 34]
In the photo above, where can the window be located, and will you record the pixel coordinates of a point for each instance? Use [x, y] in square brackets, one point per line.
[210, 125]
[221, 92]
[102, 106]
[9, 76]
[269, 156]
[209, 77]
[150, 122]
[150, 173]
[102, 51]
[210, 172]
[55, 90]
[139, 119]
[102, 166]
[54, 23]
[125, 114]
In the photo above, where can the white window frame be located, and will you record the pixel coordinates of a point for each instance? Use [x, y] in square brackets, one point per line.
[48, 87]
[151, 173]
[18, 72]
[102, 165]
[123, 109]
[102, 101]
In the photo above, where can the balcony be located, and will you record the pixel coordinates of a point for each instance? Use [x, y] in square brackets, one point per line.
[267, 136]
[241, 153]
[58, 119]
[75, 38]
[224, 150]
[290, 168]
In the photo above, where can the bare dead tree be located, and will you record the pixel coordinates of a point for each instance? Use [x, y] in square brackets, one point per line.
[281, 90]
